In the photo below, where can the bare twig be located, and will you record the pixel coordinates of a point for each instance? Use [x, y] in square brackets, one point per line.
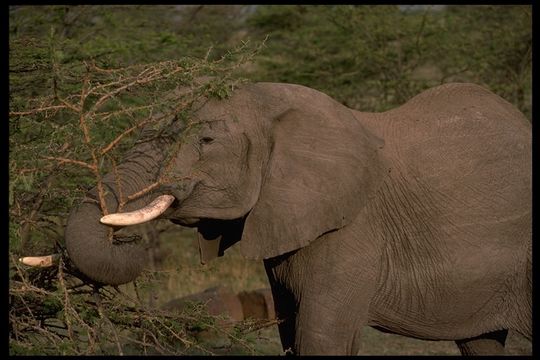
[103, 90]
[105, 318]
[37, 203]
[62, 160]
[69, 105]
[67, 303]
[118, 184]
[117, 140]
[38, 110]
[140, 193]
[106, 115]
[99, 184]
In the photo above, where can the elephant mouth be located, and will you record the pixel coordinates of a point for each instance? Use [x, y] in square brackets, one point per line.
[187, 221]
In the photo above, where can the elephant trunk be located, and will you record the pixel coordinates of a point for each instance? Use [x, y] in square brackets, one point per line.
[91, 248]
[90, 244]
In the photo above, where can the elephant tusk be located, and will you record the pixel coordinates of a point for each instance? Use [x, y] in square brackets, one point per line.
[40, 261]
[147, 213]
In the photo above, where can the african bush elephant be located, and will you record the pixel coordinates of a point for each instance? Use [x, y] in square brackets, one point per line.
[416, 221]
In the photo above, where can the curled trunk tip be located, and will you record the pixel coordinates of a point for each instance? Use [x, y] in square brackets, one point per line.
[89, 247]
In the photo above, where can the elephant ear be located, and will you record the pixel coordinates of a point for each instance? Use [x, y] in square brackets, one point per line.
[208, 247]
[322, 169]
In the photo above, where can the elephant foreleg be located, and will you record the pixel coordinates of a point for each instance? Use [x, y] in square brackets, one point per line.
[285, 307]
[486, 344]
[330, 291]
[321, 330]
[316, 326]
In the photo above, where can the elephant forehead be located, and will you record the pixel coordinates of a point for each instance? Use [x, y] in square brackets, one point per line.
[215, 111]
[212, 112]
[217, 126]
[225, 118]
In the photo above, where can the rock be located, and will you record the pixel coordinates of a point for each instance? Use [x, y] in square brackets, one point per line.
[219, 300]
[257, 304]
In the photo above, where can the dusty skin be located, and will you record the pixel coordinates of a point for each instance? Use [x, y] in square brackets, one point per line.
[416, 221]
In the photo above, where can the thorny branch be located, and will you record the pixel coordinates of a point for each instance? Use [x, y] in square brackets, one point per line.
[37, 110]
[61, 312]
[70, 161]
[152, 329]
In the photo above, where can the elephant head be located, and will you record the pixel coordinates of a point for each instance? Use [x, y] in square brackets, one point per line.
[271, 168]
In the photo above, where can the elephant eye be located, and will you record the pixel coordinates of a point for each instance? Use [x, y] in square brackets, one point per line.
[206, 140]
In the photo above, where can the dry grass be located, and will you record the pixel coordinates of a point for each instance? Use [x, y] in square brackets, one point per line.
[181, 272]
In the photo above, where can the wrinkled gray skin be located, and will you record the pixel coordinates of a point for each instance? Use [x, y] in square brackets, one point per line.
[416, 221]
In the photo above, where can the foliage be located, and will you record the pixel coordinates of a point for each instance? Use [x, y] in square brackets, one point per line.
[80, 113]
[66, 317]
[72, 116]
[498, 53]
[375, 58]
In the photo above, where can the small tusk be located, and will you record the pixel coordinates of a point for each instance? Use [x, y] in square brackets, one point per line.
[40, 261]
[147, 213]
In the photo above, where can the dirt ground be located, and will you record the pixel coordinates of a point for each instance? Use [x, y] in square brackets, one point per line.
[374, 342]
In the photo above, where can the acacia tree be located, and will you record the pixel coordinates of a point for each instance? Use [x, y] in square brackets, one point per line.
[71, 119]
[376, 57]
